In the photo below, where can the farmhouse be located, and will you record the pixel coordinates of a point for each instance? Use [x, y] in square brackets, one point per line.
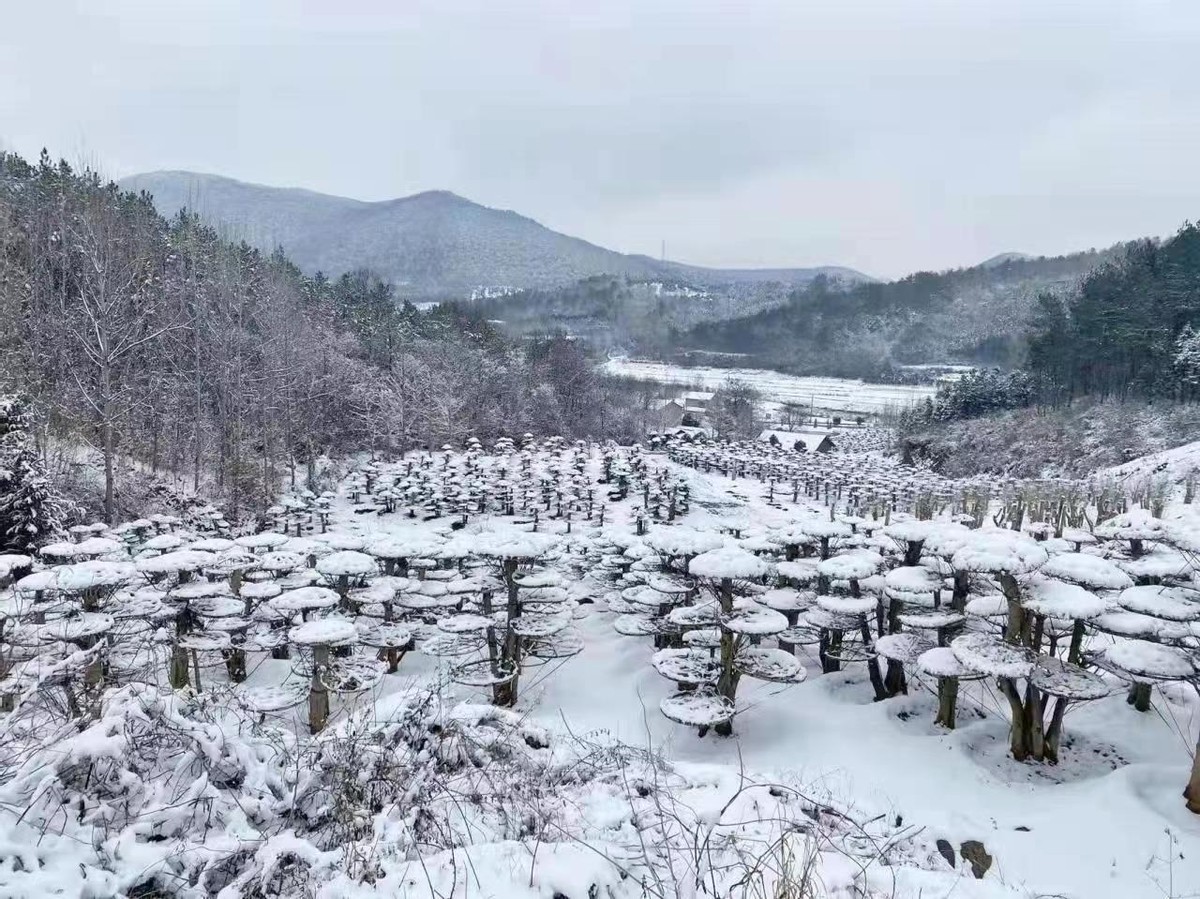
[696, 402]
[810, 441]
[665, 415]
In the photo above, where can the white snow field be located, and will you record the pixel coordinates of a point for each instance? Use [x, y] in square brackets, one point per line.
[308, 711]
[1176, 464]
[840, 395]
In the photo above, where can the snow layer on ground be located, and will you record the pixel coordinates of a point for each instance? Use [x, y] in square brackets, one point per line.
[1107, 822]
[827, 394]
[1177, 464]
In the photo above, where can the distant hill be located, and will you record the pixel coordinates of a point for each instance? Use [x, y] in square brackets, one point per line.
[627, 315]
[1001, 258]
[976, 315]
[432, 243]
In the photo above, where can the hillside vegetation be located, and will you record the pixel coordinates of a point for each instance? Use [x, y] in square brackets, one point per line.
[973, 314]
[1070, 441]
[159, 347]
[646, 317]
[1113, 373]
[1130, 329]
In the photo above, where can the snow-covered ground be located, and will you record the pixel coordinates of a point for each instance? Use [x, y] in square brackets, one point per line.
[1175, 464]
[1101, 824]
[1107, 821]
[840, 395]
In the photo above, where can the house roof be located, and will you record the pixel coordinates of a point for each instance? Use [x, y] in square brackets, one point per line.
[701, 395]
[812, 439]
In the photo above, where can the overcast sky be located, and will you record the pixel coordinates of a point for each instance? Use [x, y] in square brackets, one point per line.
[889, 136]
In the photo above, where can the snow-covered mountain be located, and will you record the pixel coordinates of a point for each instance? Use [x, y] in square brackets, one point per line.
[434, 242]
[1002, 258]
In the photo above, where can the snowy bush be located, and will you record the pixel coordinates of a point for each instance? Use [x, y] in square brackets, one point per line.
[186, 797]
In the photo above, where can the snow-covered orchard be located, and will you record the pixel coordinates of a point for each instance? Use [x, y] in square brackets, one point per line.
[580, 671]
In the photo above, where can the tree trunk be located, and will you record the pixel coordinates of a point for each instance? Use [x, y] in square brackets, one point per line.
[873, 665]
[727, 682]
[109, 440]
[1017, 630]
[1054, 731]
[894, 681]
[962, 589]
[1139, 697]
[505, 694]
[318, 695]
[235, 664]
[177, 671]
[947, 702]
[1019, 731]
[1075, 652]
[1030, 738]
[1039, 630]
[1033, 713]
[1192, 791]
[831, 641]
[792, 618]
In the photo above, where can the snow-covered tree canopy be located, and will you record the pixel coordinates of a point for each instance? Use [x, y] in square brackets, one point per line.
[410, 681]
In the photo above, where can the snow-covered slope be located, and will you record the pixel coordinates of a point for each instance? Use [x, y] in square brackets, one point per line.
[412, 786]
[1177, 464]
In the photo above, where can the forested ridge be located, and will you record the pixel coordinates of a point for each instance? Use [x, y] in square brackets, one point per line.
[160, 346]
[973, 315]
[1130, 328]
[1113, 368]
[1123, 322]
[631, 314]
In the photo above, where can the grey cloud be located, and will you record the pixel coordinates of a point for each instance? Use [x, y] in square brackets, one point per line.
[889, 135]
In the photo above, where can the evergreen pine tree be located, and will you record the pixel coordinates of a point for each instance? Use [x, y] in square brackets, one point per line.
[1187, 355]
[31, 510]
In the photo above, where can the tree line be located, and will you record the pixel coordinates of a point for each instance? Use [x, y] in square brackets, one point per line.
[164, 347]
[1128, 331]
[869, 330]
[623, 312]
[972, 394]
[1131, 330]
